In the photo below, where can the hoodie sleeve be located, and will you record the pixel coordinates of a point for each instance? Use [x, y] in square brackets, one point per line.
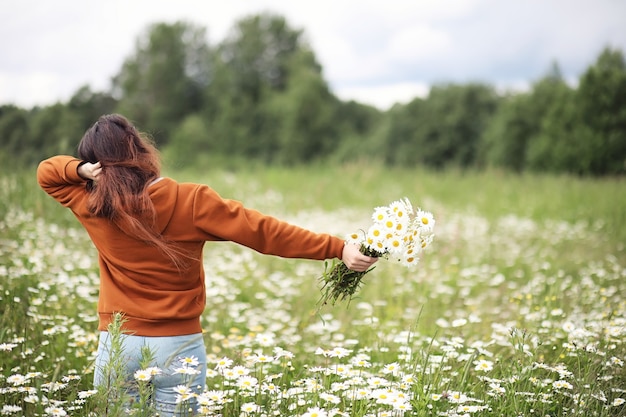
[230, 220]
[58, 176]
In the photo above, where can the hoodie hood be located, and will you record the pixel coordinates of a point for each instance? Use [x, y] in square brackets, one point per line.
[164, 195]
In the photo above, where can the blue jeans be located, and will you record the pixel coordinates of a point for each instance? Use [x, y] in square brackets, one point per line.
[169, 352]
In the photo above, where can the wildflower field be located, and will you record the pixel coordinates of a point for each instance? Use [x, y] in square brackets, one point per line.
[517, 308]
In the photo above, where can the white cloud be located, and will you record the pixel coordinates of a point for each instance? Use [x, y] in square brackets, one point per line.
[32, 88]
[370, 50]
[417, 43]
[384, 96]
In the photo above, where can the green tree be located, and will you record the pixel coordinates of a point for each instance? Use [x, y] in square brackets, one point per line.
[550, 141]
[517, 124]
[505, 140]
[360, 129]
[163, 81]
[88, 105]
[305, 111]
[443, 130]
[189, 142]
[556, 147]
[14, 134]
[241, 127]
[54, 130]
[404, 134]
[601, 100]
[258, 52]
[263, 71]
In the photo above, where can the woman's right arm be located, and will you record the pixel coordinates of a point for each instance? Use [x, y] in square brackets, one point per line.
[89, 171]
[58, 176]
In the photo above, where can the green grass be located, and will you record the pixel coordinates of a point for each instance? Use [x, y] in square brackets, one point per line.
[600, 203]
[517, 309]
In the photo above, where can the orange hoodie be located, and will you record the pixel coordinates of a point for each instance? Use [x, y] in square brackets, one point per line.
[139, 280]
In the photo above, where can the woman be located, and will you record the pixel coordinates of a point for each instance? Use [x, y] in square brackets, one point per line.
[149, 232]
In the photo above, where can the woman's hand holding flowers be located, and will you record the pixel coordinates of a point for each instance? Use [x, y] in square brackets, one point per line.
[355, 260]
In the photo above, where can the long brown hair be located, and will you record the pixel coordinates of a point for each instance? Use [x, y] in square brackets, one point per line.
[130, 162]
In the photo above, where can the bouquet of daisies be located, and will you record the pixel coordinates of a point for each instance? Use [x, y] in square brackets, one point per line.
[398, 233]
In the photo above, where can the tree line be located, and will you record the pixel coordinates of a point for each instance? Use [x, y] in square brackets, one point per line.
[260, 95]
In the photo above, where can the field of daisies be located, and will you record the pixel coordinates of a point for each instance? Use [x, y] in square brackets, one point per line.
[516, 308]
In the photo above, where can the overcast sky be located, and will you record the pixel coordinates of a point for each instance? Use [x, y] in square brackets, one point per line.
[376, 52]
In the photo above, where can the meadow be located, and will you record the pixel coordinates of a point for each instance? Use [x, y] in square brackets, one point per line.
[517, 308]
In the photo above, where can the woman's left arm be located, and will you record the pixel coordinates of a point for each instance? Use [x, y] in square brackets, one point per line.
[355, 260]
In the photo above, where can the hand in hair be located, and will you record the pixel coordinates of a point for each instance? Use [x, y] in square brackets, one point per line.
[90, 171]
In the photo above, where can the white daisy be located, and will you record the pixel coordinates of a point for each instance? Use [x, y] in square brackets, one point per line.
[143, 375]
[182, 390]
[354, 238]
[339, 352]
[330, 398]
[380, 214]
[315, 412]
[483, 365]
[55, 411]
[189, 361]
[426, 220]
[394, 244]
[375, 232]
[241, 370]
[184, 370]
[16, 379]
[250, 408]
[617, 402]
[409, 258]
[561, 384]
[391, 368]
[247, 382]
[223, 363]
